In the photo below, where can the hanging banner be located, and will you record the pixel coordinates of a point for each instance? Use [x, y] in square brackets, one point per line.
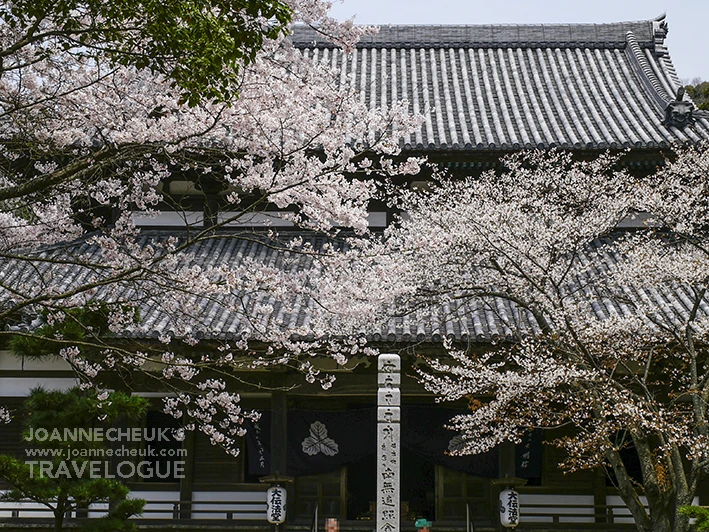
[424, 432]
[318, 441]
[528, 454]
[322, 441]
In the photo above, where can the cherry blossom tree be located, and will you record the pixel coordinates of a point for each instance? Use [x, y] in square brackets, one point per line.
[100, 111]
[601, 332]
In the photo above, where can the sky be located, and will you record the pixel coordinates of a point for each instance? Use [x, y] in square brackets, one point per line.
[687, 40]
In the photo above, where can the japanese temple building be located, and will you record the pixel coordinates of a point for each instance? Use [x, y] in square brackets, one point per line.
[484, 91]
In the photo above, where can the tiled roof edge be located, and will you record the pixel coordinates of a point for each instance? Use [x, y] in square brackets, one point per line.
[645, 73]
[604, 35]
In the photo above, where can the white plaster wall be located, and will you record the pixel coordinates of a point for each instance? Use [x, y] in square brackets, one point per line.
[615, 500]
[10, 362]
[161, 502]
[5, 510]
[255, 501]
[168, 219]
[258, 219]
[98, 509]
[622, 515]
[20, 386]
[572, 504]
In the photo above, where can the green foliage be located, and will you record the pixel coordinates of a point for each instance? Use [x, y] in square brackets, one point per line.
[78, 409]
[700, 513]
[117, 518]
[699, 92]
[80, 325]
[199, 44]
[72, 409]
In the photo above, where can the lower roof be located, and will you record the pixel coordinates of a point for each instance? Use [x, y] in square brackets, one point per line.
[250, 313]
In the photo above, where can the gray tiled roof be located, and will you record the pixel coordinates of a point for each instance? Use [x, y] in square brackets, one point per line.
[504, 87]
[246, 314]
[400, 36]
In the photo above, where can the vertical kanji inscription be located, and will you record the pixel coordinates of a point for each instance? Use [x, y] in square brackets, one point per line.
[388, 443]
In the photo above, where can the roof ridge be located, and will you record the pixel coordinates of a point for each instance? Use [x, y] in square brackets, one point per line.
[647, 32]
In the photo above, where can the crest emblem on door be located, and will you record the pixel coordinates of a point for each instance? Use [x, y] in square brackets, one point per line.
[318, 442]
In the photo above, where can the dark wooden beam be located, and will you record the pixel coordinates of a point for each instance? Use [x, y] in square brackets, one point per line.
[186, 483]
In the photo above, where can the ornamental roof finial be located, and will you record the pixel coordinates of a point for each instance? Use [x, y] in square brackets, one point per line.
[678, 113]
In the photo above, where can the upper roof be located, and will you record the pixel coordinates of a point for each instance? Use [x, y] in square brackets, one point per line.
[502, 87]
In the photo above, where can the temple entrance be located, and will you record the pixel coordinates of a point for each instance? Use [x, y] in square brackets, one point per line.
[418, 487]
[456, 490]
[361, 487]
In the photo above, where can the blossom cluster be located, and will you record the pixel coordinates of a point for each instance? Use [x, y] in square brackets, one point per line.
[214, 411]
[109, 141]
[595, 331]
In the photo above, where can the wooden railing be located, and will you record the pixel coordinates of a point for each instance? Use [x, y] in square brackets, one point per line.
[580, 513]
[535, 514]
[154, 509]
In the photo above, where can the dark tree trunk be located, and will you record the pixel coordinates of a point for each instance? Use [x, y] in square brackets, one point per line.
[60, 513]
[58, 520]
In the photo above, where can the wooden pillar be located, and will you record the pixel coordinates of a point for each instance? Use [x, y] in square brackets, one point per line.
[210, 212]
[599, 495]
[187, 482]
[506, 460]
[279, 438]
[279, 433]
[211, 189]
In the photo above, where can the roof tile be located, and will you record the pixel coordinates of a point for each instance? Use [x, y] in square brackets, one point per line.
[247, 314]
[495, 87]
